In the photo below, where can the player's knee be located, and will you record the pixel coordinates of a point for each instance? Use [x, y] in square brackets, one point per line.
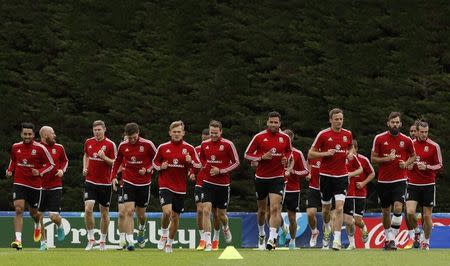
[167, 213]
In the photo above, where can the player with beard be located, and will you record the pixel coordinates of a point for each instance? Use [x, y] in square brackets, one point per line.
[393, 152]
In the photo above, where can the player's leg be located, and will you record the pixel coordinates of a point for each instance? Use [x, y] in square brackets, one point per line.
[428, 202]
[129, 206]
[313, 204]
[142, 200]
[326, 194]
[121, 220]
[360, 206]
[177, 209]
[216, 226]
[349, 210]
[90, 197]
[398, 197]
[19, 206]
[104, 201]
[199, 208]
[293, 206]
[207, 206]
[262, 201]
[275, 219]
[165, 199]
[220, 203]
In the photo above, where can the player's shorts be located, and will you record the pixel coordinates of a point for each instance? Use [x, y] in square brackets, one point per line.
[120, 195]
[219, 196]
[265, 186]
[140, 195]
[198, 194]
[292, 201]
[98, 193]
[51, 200]
[168, 197]
[388, 193]
[313, 200]
[31, 195]
[355, 206]
[424, 195]
[332, 186]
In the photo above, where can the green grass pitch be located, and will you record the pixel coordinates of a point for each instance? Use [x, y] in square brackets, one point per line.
[72, 256]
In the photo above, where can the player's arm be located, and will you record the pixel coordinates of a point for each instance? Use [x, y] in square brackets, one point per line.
[108, 159]
[195, 161]
[85, 164]
[117, 164]
[151, 154]
[314, 153]
[234, 159]
[375, 158]
[355, 163]
[12, 164]
[252, 153]
[48, 163]
[437, 160]
[301, 167]
[158, 163]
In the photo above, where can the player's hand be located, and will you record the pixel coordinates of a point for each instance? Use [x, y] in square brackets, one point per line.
[287, 172]
[267, 156]
[164, 165]
[331, 152]
[391, 156]
[188, 158]
[59, 173]
[410, 167]
[350, 156]
[284, 161]
[85, 172]
[360, 185]
[422, 166]
[214, 171]
[101, 154]
[8, 173]
[402, 164]
[192, 177]
[35, 172]
[308, 178]
[142, 171]
[115, 182]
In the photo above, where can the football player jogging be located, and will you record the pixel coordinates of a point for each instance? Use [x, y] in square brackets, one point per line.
[271, 148]
[355, 201]
[173, 161]
[393, 152]
[135, 156]
[52, 183]
[218, 157]
[421, 185]
[332, 145]
[99, 155]
[313, 203]
[29, 161]
[297, 169]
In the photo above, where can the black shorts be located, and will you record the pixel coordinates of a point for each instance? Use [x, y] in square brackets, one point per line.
[219, 196]
[120, 195]
[168, 197]
[265, 186]
[355, 206]
[140, 195]
[332, 186]
[98, 193]
[198, 194]
[313, 200]
[51, 200]
[292, 201]
[388, 193]
[424, 195]
[31, 195]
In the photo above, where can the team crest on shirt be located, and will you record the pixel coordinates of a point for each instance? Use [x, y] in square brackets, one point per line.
[221, 148]
[175, 161]
[213, 158]
[402, 144]
[33, 152]
[184, 151]
[103, 148]
[338, 147]
[54, 151]
[141, 148]
[133, 159]
[273, 150]
[426, 149]
[280, 140]
[345, 139]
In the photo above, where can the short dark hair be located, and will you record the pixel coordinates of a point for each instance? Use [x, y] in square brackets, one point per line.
[27, 125]
[335, 111]
[290, 133]
[131, 128]
[393, 115]
[421, 123]
[215, 123]
[205, 131]
[273, 114]
[98, 123]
